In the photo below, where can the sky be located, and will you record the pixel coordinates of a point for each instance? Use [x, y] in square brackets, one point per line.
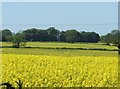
[100, 17]
[59, 0]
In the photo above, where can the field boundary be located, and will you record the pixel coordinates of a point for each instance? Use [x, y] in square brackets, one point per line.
[100, 49]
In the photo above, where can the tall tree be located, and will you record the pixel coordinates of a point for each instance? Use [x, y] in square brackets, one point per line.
[19, 40]
[53, 33]
[6, 33]
[31, 34]
[62, 36]
[72, 36]
[116, 36]
[113, 37]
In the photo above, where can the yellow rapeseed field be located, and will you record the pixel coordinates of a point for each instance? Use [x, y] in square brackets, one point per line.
[58, 71]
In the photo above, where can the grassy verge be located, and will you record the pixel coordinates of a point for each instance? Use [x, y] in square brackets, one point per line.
[65, 45]
[58, 52]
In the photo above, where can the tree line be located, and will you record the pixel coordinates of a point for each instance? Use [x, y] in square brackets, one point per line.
[112, 37]
[53, 34]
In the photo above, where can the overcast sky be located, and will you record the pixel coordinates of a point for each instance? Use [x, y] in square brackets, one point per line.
[101, 17]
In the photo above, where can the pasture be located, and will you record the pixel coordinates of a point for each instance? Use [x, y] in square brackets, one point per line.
[64, 45]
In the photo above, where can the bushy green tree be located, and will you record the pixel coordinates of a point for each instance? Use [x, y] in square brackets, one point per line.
[9, 38]
[5, 33]
[62, 36]
[53, 34]
[18, 40]
[113, 37]
[72, 36]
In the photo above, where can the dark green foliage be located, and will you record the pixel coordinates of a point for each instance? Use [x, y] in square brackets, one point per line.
[6, 33]
[19, 83]
[19, 40]
[9, 86]
[91, 37]
[72, 36]
[50, 34]
[118, 48]
[62, 36]
[53, 34]
[113, 37]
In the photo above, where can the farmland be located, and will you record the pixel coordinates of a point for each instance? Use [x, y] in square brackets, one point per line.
[54, 71]
[38, 67]
[49, 48]
[59, 45]
[64, 45]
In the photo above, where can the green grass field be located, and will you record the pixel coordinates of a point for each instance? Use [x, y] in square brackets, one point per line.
[64, 45]
[60, 52]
